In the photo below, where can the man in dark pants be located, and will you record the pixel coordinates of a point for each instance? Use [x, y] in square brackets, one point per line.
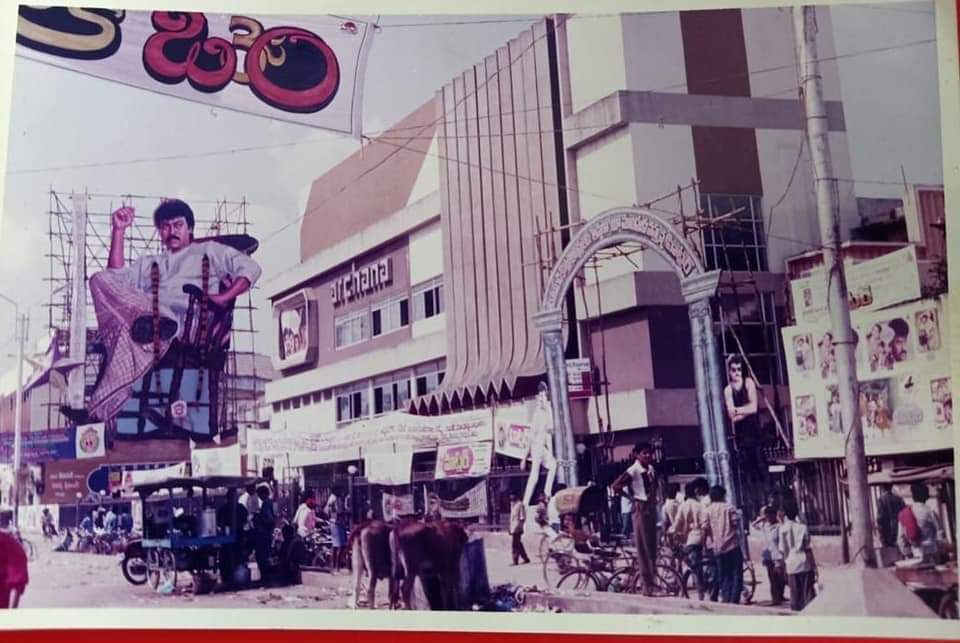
[518, 515]
[640, 481]
[724, 530]
[263, 525]
[889, 505]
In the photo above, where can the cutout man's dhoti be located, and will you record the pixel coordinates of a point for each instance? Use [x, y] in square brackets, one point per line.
[541, 452]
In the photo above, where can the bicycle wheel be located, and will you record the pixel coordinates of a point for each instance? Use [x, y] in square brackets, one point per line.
[153, 568]
[556, 565]
[621, 582]
[578, 579]
[749, 583]
[668, 580]
[688, 584]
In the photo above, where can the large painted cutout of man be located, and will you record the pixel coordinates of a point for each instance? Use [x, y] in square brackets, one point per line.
[540, 449]
[123, 298]
[741, 400]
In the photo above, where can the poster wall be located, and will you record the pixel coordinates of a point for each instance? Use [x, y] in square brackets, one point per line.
[903, 366]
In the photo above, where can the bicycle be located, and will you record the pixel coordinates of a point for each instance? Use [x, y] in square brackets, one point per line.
[709, 573]
[600, 574]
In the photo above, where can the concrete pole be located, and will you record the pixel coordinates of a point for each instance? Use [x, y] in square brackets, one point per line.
[18, 420]
[811, 84]
[78, 304]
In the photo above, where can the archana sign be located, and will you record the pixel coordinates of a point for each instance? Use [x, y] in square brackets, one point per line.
[304, 69]
[364, 281]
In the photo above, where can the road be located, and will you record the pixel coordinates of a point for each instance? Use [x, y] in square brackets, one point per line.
[70, 579]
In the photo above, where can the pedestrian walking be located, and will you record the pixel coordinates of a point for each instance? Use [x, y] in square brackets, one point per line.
[723, 528]
[640, 480]
[518, 516]
[689, 527]
[799, 562]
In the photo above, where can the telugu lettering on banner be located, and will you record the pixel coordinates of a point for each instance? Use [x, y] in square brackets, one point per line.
[903, 366]
[418, 432]
[303, 69]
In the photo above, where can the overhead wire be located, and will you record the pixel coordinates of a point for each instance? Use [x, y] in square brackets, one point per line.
[392, 133]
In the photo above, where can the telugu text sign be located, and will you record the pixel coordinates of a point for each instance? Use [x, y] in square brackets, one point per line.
[303, 69]
[420, 432]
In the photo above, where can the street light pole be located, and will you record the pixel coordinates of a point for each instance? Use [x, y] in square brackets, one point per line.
[838, 305]
[21, 331]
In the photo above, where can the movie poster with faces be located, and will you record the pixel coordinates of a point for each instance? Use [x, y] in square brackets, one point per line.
[903, 366]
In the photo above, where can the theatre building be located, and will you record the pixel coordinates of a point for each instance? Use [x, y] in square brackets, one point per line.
[692, 117]
[359, 324]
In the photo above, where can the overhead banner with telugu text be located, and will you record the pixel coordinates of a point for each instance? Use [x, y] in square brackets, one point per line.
[303, 69]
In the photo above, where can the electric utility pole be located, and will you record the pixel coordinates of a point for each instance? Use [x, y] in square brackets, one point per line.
[811, 86]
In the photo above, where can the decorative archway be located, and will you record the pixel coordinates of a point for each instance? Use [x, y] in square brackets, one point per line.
[610, 228]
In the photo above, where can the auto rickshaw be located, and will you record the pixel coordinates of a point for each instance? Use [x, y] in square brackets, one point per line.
[200, 536]
[934, 583]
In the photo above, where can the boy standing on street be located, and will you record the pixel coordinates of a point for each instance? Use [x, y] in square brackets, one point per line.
[688, 527]
[723, 528]
[798, 557]
[772, 556]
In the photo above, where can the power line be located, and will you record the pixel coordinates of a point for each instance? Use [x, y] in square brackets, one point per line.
[437, 121]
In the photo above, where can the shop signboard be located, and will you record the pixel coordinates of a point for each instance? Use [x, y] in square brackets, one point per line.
[463, 460]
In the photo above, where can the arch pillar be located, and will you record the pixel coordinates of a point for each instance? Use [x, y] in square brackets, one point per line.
[697, 293]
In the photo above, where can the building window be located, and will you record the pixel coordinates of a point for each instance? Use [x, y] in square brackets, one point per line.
[429, 376]
[751, 318]
[350, 330]
[390, 393]
[276, 407]
[736, 240]
[317, 397]
[353, 403]
[389, 317]
[428, 299]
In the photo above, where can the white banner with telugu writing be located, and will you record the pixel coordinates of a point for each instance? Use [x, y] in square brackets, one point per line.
[303, 69]
[422, 433]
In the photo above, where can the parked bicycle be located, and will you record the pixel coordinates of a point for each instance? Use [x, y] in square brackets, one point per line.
[600, 572]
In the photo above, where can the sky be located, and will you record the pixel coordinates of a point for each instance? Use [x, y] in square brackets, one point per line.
[63, 119]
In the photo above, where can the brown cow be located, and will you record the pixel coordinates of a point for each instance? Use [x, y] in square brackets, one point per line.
[370, 544]
[430, 551]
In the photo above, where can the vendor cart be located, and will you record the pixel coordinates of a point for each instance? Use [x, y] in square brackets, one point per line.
[199, 535]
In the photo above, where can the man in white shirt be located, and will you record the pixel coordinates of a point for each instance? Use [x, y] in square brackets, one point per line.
[130, 300]
[794, 542]
[541, 446]
[640, 480]
[306, 517]
[689, 526]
